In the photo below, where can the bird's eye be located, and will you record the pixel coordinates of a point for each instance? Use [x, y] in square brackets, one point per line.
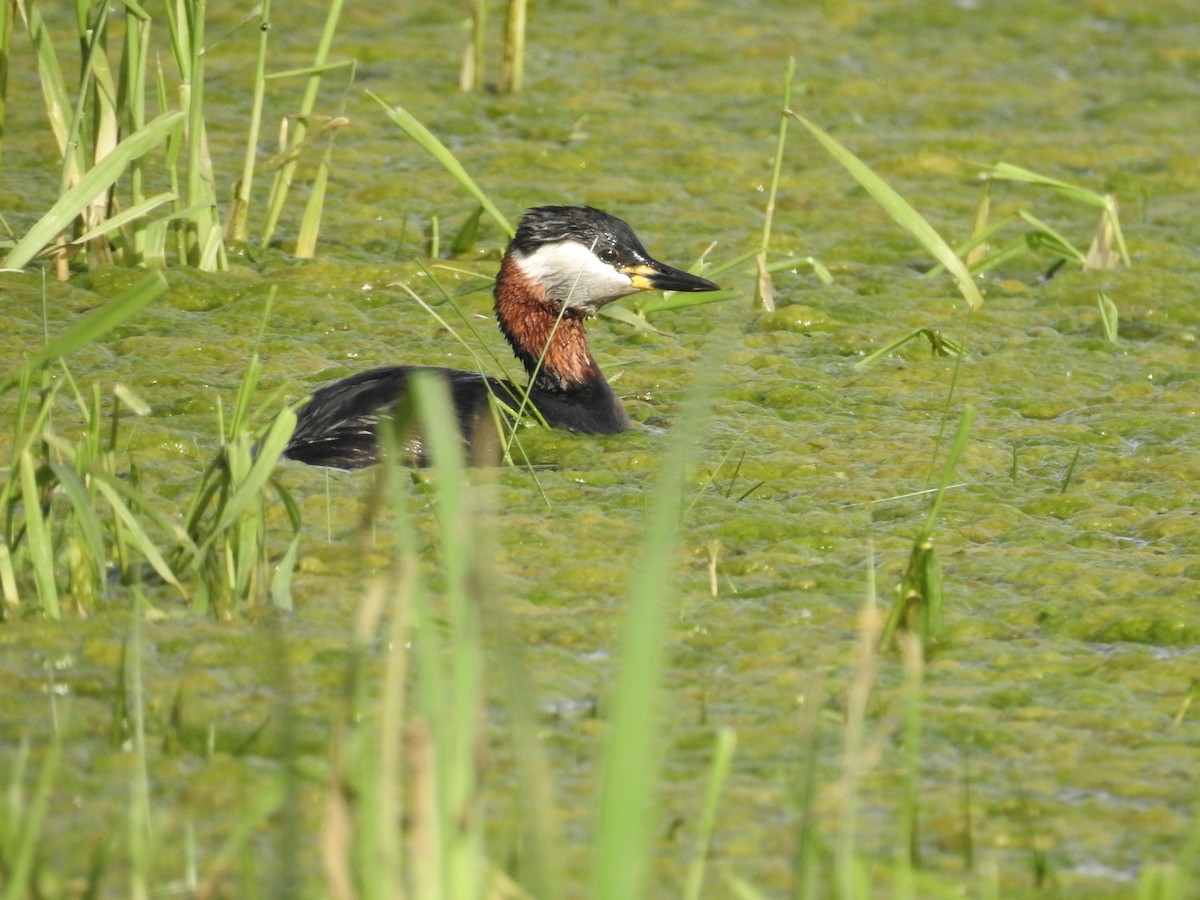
[607, 254]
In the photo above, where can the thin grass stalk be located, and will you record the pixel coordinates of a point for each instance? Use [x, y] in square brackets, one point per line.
[310, 223]
[132, 101]
[105, 132]
[283, 177]
[899, 209]
[392, 710]
[7, 11]
[54, 92]
[978, 249]
[907, 850]
[1110, 317]
[939, 343]
[18, 880]
[944, 418]
[957, 448]
[512, 63]
[435, 148]
[257, 809]
[1046, 238]
[764, 291]
[623, 834]
[139, 800]
[848, 873]
[462, 874]
[98, 179]
[470, 76]
[403, 733]
[38, 538]
[919, 604]
[236, 227]
[201, 197]
[809, 850]
[541, 863]
[723, 748]
[91, 327]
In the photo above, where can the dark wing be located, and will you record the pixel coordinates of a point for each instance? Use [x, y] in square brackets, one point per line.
[337, 427]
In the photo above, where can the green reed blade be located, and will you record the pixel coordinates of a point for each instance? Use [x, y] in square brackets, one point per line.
[310, 223]
[111, 224]
[623, 842]
[1047, 238]
[957, 448]
[942, 346]
[900, 210]
[94, 324]
[108, 486]
[1007, 172]
[7, 11]
[764, 291]
[1109, 317]
[269, 451]
[723, 749]
[58, 103]
[512, 63]
[435, 148]
[236, 222]
[20, 866]
[283, 178]
[38, 539]
[84, 506]
[8, 581]
[456, 723]
[685, 299]
[97, 180]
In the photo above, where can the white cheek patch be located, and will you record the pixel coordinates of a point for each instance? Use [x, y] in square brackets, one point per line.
[572, 273]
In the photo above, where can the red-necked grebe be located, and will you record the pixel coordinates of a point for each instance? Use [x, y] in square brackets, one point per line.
[564, 263]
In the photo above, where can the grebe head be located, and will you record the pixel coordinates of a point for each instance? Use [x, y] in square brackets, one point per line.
[586, 258]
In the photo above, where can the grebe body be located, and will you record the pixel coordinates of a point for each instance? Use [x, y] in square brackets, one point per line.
[563, 264]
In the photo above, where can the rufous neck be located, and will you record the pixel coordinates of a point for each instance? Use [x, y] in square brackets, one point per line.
[534, 327]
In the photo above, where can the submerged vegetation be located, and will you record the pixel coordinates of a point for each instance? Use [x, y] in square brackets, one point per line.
[599, 725]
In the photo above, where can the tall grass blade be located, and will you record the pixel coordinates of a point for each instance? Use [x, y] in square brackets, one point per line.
[112, 223]
[856, 753]
[435, 148]
[97, 180]
[85, 519]
[58, 103]
[455, 728]
[900, 210]
[938, 342]
[21, 868]
[623, 843]
[7, 11]
[764, 291]
[93, 325]
[1046, 238]
[310, 223]
[283, 178]
[919, 604]
[512, 63]
[38, 538]
[722, 760]
[1100, 254]
[1106, 202]
[260, 471]
[235, 222]
[1008, 172]
[111, 489]
[1109, 317]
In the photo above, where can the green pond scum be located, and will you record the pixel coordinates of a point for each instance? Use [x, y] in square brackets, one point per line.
[445, 664]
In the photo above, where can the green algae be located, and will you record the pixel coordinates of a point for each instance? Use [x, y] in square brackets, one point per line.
[1073, 628]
